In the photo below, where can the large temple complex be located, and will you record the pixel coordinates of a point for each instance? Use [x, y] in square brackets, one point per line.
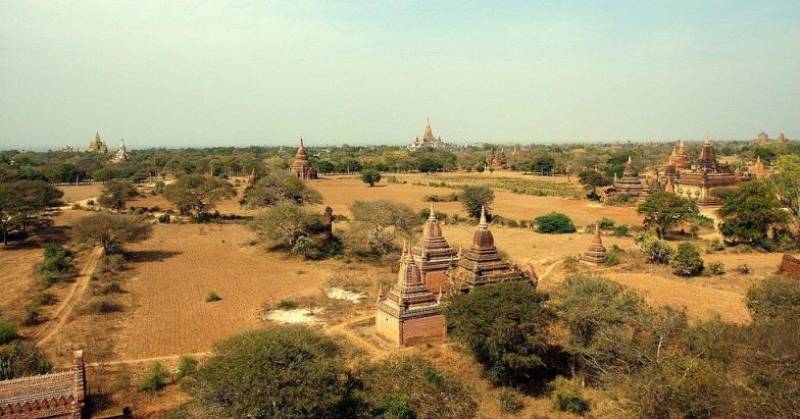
[301, 167]
[427, 140]
[699, 181]
[97, 145]
[121, 155]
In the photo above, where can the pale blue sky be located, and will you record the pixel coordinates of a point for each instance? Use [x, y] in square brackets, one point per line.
[238, 73]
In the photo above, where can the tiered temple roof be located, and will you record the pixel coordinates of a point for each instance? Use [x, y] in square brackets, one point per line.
[434, 254]
[630, 183]
[427, 140]
[482, 264]
[301, 167]
[758, 170]
[97, 145]
[597, 252]
[409, 297]
[56, 395]
[698, 182]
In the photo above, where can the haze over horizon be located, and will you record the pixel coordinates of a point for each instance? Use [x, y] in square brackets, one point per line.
[181, 74]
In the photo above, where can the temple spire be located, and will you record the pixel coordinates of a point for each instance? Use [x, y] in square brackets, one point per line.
[431, 216]
[483, 223]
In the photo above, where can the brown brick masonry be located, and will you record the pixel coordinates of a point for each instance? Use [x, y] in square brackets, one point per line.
[790, 266]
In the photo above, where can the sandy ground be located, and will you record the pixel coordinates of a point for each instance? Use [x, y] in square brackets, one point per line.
[80, 192]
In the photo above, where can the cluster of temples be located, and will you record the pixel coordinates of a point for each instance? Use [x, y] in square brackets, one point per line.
[427, 140]
[411, 311]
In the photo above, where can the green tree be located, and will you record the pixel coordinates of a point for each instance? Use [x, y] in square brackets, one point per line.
[656, 250]
[687, 260]
[19, 359]
[276, 187]
[775, 297]
[749, 212]
[663, 210]
[111, 231]
[290, 227]
[116, 194]
[197, 194]
[24, 202]
[377, 226]
[277, 372]
[476, 197]
[554, 223]
[592, 180]
[409, 387]
[506, 328]
[787, 185]
[370, 176]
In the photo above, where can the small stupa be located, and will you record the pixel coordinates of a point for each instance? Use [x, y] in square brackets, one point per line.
[630, 183]
[434, 256]
[596, 254]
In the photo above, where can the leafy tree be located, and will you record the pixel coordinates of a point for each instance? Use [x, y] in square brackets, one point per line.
[656, 250]
[111, 231]
[554, 223]
[279, 186]
[409, 387]
[292, 228]
[197, 194]
[476, 197]
[663, 210]
[19, 359]
[8, 332]
[377, 226]
[24, 202]
[116, 193]
[787, 185]
[687, 260]
[601, 317]
[749, 212]
[276, 372]
[505, 327]
[543, 165]
[370, 176]
[592, 180]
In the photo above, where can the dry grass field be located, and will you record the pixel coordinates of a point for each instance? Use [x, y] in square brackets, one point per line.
[171, 274]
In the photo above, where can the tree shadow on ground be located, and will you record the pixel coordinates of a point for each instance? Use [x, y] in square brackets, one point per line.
[150, 255]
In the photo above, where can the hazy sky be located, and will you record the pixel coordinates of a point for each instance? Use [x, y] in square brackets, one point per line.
[238, 73]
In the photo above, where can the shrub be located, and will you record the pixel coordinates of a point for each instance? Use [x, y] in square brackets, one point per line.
[19, 359]
[612, 258]
[163, 219]
[441, 198]
[554, 223]
[187, 366]
[621, 230]
[155, 379]
[687, 260]
[606, 223]
[476, 197]
[510, 401]
[716, 268]
[112, 263]
[716, 245]
[567, 396]
[102, 306]
[287, 305]
[618, 200]
[656, 250]
[426, 212]
[743, 269]
[112, 288]
[8, 332]
[32, 315]
[56, 266]
[46, 299]
[370, 176]
[212, 297]
[775, 297]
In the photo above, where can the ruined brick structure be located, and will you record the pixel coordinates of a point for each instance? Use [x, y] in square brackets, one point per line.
[57, 395]
[409, 313]
[434, 256]
[790, 266]
[301, 167]
[596, 254]
[482, 264]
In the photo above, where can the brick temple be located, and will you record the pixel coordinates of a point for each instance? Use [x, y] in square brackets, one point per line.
[433, 256]
[482, 265]
[57, 395]
[629, 184]
[301, 167]
[699, 182]
[409, 312]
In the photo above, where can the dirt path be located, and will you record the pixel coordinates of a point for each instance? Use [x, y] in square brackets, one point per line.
[71, 299]
[345, 330]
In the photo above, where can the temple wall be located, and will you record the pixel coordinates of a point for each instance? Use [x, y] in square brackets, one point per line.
[790, 266]
[434, 280]
[424, 328]
[387, 327]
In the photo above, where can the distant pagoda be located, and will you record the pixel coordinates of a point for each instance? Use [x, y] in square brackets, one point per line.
[762, 138]
[699, 182]
[409, 313]
[121, 155]
[301, 167]
[782, 139]
[596, 254]
[97, 145]
[434, 256]
[630, 183]
[482, 264]
[428, 140]
[758, 169]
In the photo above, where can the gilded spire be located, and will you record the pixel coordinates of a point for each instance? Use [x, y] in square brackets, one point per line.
[483, 224]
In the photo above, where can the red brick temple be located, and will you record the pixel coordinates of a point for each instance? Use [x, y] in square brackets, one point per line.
[56, 395]
[434, 256]
[301, 167]
[409, 313]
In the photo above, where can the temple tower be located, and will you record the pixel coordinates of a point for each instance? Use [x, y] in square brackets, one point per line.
[434, 256]
[97, 145]
[301, 167]
[409, 313]
[596, 254]
[121, 155]
[482, 264]
[630, 183]
[758, 170]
